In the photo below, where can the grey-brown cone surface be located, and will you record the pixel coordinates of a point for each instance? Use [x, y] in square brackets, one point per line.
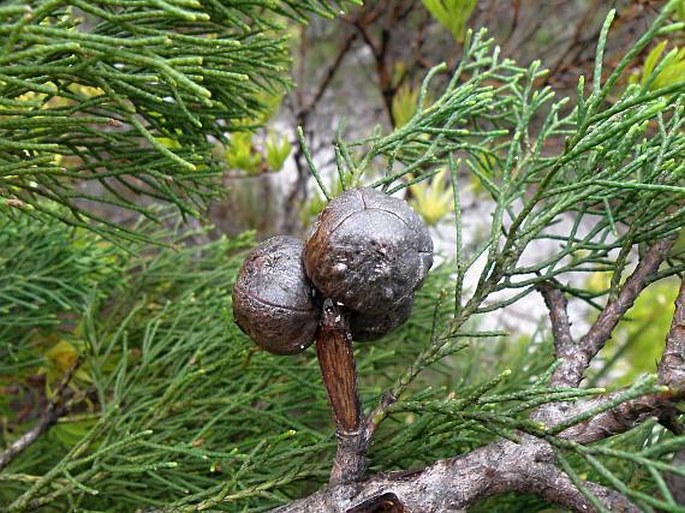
[371, 327]
[273, 300]
[368, 251]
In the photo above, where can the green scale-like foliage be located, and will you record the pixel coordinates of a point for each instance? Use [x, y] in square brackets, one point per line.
[128, 97]
[186, 414]
[47, 270]
[184, 410]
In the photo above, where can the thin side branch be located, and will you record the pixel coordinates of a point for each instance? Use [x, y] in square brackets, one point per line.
[330, 73]
[561, 325]
[672, 365]
[628, 414]
[380, 411]
[621, 418]
[577, 357]
[53, 410]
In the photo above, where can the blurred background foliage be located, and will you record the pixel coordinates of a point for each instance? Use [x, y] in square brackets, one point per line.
[365, 68]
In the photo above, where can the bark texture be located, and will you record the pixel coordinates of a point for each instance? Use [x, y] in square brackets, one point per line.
[528, 465]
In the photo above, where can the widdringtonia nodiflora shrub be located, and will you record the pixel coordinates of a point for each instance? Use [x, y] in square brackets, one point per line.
[175, 410]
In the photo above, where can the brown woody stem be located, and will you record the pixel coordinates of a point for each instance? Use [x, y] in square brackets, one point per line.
[576, 357]
[334, 350]
[455, 484]
[54, 408]
[672, 364]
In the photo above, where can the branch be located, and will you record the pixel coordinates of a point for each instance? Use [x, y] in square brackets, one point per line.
[576, 358]
[334, 351]
[298, 191]
[526, 467]
[661, 405]
[379, 50]
[53, 410]
[529, 466]
[330, 73]
[561, 326]
[671, 368]
[458, 483]
[621, 418]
